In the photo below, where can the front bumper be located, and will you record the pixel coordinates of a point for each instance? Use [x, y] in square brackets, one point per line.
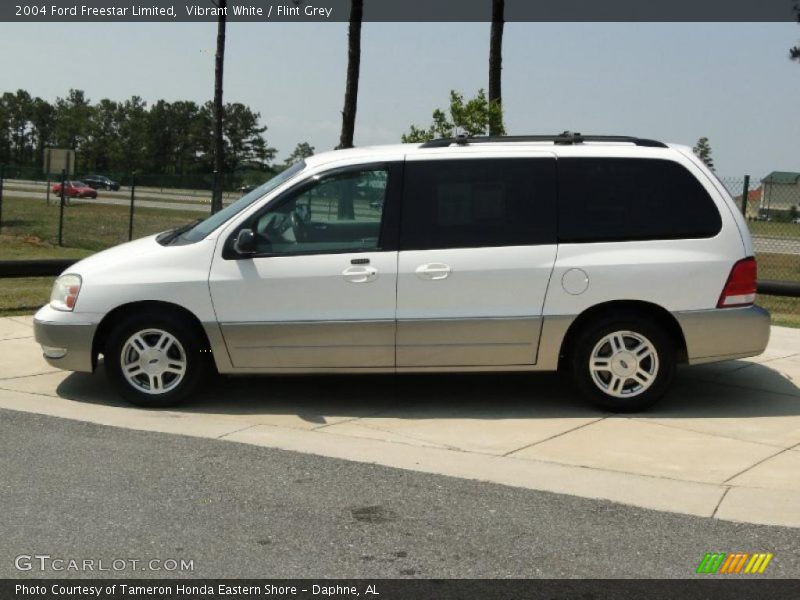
[724, 333]
[73, 334]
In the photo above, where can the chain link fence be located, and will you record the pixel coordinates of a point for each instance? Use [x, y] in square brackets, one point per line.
[103, 211]
[143, 204]
[192, 184]
[771, 206]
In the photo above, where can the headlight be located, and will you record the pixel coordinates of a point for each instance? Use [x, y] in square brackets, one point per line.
[65, 292]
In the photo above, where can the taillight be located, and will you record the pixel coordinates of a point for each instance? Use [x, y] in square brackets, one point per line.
[740, 289]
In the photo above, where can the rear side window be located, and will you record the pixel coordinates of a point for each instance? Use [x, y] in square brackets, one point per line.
[471, 203]
[617, 199]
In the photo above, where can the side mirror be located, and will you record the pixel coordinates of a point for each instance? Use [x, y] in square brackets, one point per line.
[245, 242]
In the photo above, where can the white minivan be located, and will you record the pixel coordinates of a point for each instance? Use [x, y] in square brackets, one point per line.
[613, 258]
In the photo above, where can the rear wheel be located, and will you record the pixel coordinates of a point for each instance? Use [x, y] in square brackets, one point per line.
[155, 361]
[623, 365]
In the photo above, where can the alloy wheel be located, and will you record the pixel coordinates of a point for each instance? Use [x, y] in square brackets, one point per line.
[624, 364]
[153, 361]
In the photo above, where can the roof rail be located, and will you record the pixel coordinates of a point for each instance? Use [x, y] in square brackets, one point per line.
[566, 138]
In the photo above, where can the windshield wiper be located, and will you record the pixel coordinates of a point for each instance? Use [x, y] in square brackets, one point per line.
[168, 236]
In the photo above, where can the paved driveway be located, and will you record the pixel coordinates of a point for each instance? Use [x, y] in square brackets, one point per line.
[725, 443]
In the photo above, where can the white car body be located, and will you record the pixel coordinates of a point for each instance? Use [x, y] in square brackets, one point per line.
[450, 309]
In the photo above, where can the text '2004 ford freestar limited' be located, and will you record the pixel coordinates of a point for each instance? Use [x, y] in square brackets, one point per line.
[613, 258]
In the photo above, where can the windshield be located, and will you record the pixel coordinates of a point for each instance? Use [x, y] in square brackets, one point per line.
[202, 229]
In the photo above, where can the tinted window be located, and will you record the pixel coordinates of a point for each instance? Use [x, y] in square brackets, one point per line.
[612, 199]
[478, 202]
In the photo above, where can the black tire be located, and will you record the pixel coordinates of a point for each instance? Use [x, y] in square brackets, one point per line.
[597, 387]
[196, 358]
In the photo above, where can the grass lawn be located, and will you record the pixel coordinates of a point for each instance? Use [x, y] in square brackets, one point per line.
[775, 229]
[784, 311]
[778, 266]
[30, 230]
[86, 226]
[25, 295]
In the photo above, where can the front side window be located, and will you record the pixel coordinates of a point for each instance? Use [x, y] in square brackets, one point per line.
[472, 203]
[203, 228]
[337, 213]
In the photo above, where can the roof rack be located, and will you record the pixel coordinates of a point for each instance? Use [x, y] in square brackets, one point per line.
[566, 138]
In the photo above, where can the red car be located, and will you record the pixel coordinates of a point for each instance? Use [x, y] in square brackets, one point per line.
[75, 189]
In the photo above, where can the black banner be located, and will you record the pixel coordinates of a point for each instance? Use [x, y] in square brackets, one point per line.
[398, 10]
[732, 588]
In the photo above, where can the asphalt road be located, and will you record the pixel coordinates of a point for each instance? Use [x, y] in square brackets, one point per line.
[80, 491]
[776, 245]
[187, 206]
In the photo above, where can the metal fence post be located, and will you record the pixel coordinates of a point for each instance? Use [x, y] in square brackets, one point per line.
[48, 190]
[214, 193]
[133, 197]
[61, 208]
[2, 177]
[745, 193]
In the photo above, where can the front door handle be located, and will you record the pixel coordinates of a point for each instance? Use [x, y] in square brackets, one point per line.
[360, 274]
[433, 271]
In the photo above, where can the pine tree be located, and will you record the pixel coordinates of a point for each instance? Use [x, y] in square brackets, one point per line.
[703, 151]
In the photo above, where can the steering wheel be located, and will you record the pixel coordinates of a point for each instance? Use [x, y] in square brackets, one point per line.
[298, 226]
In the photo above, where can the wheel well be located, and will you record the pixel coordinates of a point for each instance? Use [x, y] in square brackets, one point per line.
[120, 312]
[625, 308]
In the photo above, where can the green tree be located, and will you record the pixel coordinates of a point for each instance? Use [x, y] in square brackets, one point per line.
[132, 154]
[120, 137]
[160, 139]
[102, 146]
[43, 124]
[301, 151]
[5, 124]
[244, 138]
[703, 151]
[472, 117]
[19, 111]
[72, 116]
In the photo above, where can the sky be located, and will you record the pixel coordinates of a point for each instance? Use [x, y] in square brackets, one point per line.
[730, 82]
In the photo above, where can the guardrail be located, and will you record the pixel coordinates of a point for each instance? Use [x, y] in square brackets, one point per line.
[774, 287]
[50, 267]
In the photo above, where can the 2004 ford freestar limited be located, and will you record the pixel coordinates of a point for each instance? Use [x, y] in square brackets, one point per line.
[613, 258]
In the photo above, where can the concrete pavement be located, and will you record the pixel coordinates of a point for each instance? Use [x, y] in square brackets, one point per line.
[724, 443]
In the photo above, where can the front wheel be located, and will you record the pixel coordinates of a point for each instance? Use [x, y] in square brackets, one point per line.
[155, 361]
[623, 365]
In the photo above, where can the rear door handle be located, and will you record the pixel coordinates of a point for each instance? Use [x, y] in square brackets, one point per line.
[433, 271]
[360, 274]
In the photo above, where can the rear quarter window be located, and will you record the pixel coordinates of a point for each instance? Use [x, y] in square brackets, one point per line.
[620, 199]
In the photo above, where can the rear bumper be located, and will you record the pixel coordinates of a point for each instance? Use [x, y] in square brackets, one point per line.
[724, 333]
[66, 343]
